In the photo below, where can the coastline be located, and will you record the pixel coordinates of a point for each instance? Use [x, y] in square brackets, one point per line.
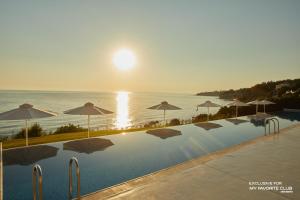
[129, 108]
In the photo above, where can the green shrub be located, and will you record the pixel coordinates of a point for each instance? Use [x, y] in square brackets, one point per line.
[200, 118]
[151, 124]
[70, 128]
[174, 122]
[34, 131]
[3, 138]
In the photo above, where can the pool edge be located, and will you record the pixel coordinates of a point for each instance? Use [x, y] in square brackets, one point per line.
[128, 185]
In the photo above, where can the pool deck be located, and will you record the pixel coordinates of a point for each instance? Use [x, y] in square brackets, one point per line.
[222, 175]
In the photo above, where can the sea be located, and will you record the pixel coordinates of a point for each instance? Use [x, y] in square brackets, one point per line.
[130, 108]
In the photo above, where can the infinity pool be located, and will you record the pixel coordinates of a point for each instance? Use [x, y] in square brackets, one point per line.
[131, 155]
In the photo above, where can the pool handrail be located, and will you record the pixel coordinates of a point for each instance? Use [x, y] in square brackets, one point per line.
[74, 160]
[37, 173]
[278, 129]
[275, 122]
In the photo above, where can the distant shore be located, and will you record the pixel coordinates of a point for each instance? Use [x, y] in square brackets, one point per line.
[209, 94]
[285, 93]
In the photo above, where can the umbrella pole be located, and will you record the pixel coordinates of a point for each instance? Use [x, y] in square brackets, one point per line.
[208, 113]
[264, 108]
[165, 117]
[88, 126]
[1, 173]
[236, 111]
[26, 132]
[256, 109]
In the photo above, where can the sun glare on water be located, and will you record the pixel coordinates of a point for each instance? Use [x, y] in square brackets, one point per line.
[122, 118]
[124, 59]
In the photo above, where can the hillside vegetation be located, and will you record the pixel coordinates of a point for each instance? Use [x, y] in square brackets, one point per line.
[285, 93]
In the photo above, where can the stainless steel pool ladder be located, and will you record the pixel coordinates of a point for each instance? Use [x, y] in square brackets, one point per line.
[37, 173]
[74, 160]
[275, 123]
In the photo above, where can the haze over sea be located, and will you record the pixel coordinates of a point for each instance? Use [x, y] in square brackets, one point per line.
[129, 108]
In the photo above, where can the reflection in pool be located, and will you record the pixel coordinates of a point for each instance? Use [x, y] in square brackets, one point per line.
[88, 146]
[208, 125]
[28, 155]
[164, 133]
[236, 121]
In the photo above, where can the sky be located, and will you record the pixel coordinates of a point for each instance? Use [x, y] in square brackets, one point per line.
[180, 45]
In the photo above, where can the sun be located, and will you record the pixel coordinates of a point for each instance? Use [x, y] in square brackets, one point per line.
[124, 59]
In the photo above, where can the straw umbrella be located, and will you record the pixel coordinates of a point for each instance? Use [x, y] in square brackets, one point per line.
[266, 102]
[164, 106]
[25, 112]
[237, 104]
[208, 104]
[255, 102]
[88, 109]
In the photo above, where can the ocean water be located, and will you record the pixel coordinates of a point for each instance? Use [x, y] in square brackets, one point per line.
[129, 108]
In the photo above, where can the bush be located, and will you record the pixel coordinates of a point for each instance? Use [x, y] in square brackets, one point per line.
[34, 131]
[174, 122]
[3, 138]
[200, 118]
[287, 101]
[70, 128]
[151, 124]
[228, 112]
[219, 116]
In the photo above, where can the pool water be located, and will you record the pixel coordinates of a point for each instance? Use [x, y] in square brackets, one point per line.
[132, 155]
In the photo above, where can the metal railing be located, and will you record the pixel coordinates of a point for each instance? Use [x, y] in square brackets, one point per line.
[1, 173]
[74, 160]
[275, 123]
[37, 173]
